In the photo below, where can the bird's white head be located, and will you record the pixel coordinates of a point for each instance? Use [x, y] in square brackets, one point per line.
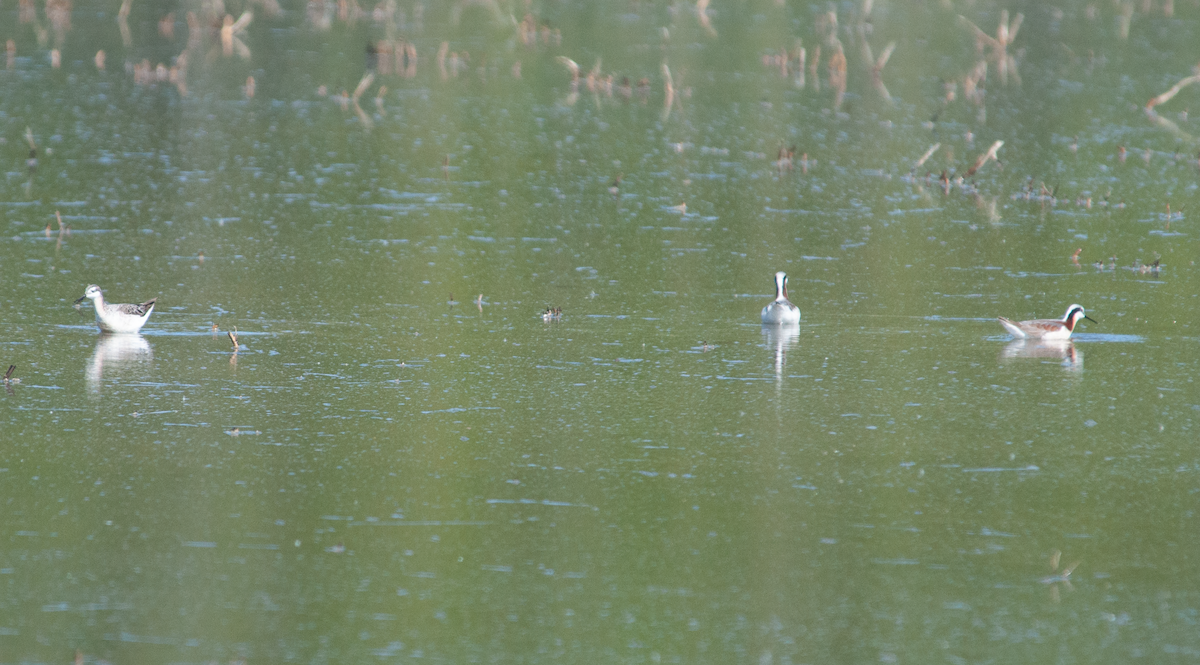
[1074, 313]
[781, 285]
[92, 291]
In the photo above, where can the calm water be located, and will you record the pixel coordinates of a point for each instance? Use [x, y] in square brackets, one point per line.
[404, 461]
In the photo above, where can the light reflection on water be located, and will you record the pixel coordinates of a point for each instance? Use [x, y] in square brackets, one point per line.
[118, 356]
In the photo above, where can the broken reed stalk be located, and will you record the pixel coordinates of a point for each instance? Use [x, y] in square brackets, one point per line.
[1166, 96]
[924, 158]
[983, 159]
[877, 70]
[443, 51]
[668, 91]
[233, 338]
[837, 74]
[362, 86]
[705, 19]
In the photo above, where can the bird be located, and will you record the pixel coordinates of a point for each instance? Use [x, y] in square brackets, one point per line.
[781, 310]
[122, 318]
[1047, 328]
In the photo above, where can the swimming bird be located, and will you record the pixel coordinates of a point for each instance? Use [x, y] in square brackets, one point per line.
[1047, 328]
[122, 318]
[781, 310]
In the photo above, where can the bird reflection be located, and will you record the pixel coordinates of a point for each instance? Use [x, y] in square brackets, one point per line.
[1063, 350]
[115, 353]
[780, 339]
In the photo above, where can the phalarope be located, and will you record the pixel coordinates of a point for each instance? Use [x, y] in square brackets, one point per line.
[1050, 329]
[781, 310]
[121, 318]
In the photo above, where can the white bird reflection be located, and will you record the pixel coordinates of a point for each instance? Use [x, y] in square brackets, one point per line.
[1063, 350]
[781, 339]
[115, 353]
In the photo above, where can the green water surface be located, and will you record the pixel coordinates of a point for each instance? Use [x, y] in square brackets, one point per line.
[404, 462]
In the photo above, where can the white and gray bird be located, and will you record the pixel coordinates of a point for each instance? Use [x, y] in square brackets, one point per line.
[781, 311]
[119, 318]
